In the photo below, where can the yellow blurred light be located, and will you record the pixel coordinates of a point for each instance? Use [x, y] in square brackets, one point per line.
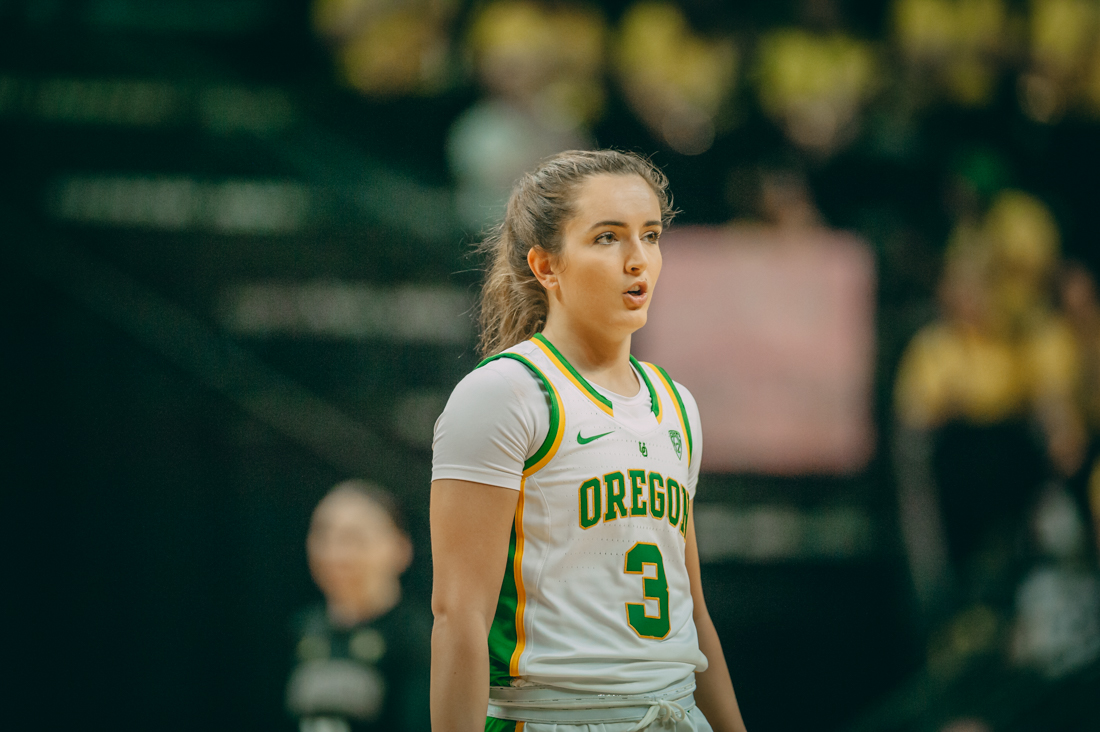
[388, 47]
[1023, 233]
[929, 30]
[815, 85]
[1090, 88]
[401, 53]
[548, 56]
[796, 66]
[960, 41]
[657, 49]
[675, 79]
[513, 27]
[979, 24]
[337, 18]
[1062, 32]
[970, 81]
[924, 27]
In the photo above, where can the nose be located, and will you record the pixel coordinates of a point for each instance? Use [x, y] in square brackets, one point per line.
[636, 260]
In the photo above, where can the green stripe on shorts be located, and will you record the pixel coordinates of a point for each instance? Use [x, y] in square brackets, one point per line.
[492, 724]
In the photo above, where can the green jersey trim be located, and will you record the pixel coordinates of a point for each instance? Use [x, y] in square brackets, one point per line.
[654, 401]
[503, 633]
[679, 403]
[557, 425]
[572, 374]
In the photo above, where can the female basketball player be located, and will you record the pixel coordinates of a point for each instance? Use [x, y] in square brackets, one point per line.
[565, 566]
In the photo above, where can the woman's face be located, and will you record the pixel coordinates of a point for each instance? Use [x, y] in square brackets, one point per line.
[352, 546]
[610, 260]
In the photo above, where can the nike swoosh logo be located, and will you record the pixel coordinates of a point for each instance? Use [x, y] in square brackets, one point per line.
[586, 440]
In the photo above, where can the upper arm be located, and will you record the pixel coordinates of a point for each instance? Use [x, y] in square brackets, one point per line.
[495, 419]
[471, 524]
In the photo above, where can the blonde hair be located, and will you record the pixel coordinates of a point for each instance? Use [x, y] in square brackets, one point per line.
[513, 304]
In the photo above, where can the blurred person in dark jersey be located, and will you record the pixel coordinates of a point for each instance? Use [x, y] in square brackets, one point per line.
[362, 656]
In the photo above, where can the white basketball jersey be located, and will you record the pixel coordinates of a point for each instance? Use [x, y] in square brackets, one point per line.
[596, 594]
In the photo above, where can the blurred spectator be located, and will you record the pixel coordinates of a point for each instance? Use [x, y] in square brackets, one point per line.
[786, 200]
[815, 86]
[1081, 307]
[1025, 247]
[774, 194]
[985, 405]
[540, 66]
[1061, 42]
[362, 656]
[388, 47]
[951, 48]
[674, 79]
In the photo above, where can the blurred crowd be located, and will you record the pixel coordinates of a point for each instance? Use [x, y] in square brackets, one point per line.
[546, 71]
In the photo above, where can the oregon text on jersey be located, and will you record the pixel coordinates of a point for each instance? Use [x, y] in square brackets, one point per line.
[665, 501]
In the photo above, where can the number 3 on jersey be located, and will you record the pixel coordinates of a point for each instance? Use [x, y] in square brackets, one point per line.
[644, 624]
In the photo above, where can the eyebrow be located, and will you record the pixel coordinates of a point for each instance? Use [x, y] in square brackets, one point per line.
[620, 224]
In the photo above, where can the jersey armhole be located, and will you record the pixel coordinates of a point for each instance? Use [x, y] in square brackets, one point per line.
[554, 434]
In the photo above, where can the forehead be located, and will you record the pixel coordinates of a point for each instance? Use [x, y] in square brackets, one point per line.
[607, 197]
[344, 509]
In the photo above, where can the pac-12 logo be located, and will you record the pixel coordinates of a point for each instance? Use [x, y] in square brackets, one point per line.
[677, 443]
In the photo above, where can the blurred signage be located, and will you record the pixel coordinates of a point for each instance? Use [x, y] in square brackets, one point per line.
[179, 203]
[349, 310]
[146, 103]
[773, 333]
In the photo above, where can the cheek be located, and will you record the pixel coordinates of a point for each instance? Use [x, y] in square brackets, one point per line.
[585, 279]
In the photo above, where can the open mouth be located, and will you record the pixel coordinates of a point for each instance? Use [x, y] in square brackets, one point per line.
[637, 293]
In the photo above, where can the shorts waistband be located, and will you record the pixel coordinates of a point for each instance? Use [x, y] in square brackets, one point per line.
[548, 705]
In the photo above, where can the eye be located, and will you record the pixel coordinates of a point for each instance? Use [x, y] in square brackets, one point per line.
[652, 237]
[608, 237]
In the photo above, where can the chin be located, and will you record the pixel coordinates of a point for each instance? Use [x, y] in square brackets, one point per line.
[635, 320]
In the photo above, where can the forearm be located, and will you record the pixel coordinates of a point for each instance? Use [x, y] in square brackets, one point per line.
[460, 674]
[468, 568]
[713, 688]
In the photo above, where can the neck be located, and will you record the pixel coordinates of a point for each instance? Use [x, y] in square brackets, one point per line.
[603, 361]
[374, 602]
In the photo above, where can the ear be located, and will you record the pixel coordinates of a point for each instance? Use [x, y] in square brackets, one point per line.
[404, 553]
[542, 266]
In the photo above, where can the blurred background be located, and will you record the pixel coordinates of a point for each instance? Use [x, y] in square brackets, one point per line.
[236, 271]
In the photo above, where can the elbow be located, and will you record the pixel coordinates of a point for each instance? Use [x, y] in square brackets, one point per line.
[699, 613]
[455, 615]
